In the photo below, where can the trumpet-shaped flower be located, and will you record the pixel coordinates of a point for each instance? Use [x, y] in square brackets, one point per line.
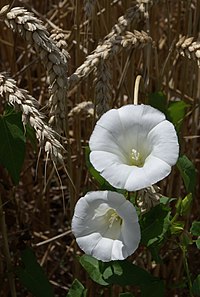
[106, 226]
[133, 147]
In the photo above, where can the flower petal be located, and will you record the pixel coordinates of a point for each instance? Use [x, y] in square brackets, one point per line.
[143, 116]
[137, 179]
[119, 251]
[125, 139]
[153, 171]
[127, 212]
[115, 200]
[88, 226]
[151, 117]
[84, 213]
[103, 250]
[111, 168]
[81, 208]
[100, 233]
[102, 140]
[103, 159]
[88, 242]
[130, 235]
[159, 169]
[164, 142]
[112, 123]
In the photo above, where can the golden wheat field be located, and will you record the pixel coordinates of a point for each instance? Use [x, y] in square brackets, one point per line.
[63, 65]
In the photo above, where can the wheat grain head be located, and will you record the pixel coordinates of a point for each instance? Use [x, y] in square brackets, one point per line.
[21, 100]
[31, 29]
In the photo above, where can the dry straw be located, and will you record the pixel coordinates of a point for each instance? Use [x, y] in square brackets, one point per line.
[21, 100]
[187, 48]
[148, 198]
[89, 6]
[31, 29]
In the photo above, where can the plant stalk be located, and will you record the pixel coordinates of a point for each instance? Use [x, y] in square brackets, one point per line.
[136, 89]
[3, 229]
[185, 261]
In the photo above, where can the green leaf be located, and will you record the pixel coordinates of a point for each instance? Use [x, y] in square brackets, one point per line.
[176, 113]
[158, 100]
[126, 295]
[31, 275]
[93, 267]
[155, 249]
[154, 290]
[198, 243]
[30, 134]
[195, 228]
[186, 239]
[188, 173]
[186, 204]
[196, 286]
[166, 200]
[77, 290]
[155, 224]
[124, 273]
[177, 227]
[12, 143]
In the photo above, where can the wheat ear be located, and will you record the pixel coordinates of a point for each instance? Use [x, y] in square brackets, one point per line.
[21, 100]
[59, 37]
[31, 29]
[108, 49]
[102, 87]
[85, 107]
[111, 43]
[189, 48]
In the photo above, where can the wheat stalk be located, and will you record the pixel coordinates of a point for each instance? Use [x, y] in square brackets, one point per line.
[31, 29]
[187, 48]
[89, 6]
[21, 100]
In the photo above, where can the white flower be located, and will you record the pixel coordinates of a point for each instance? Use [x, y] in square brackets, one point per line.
[133, 147]
[106, 226]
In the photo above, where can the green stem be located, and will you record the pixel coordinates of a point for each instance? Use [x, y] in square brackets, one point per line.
[175, 217]
[3, 229]
[185, 261]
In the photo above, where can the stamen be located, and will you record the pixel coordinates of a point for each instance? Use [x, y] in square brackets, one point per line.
[136, 158]
[113, 217]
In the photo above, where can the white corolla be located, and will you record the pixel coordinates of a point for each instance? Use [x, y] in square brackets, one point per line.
[106, 226]
[133, 147]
